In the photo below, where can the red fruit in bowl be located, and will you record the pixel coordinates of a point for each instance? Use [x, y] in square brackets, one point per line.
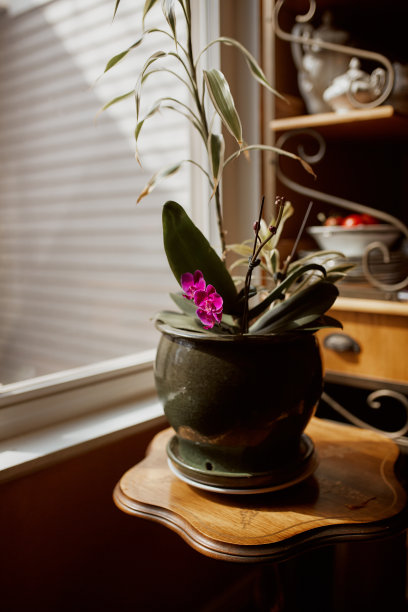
[333, 221]
[352, 221]
[368, 219]
[355, 219]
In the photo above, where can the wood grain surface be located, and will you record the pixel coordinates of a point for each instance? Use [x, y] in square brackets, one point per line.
[353, 494]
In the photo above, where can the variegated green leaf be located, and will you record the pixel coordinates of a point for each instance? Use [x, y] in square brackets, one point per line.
[216, 148]
[241, 249]
[221, 97]
[168, 8]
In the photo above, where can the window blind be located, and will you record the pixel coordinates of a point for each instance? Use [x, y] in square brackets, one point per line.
[82, 267]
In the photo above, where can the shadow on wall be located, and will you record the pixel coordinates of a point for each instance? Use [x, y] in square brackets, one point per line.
[82, 269]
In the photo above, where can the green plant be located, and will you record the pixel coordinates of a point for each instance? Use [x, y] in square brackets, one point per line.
[294, 296]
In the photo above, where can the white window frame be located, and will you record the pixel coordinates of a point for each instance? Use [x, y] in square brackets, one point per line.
[92, 404]
[45, 404]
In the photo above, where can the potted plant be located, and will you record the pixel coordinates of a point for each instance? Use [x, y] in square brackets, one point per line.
[238, 367]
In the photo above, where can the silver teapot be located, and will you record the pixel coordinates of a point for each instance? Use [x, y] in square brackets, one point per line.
[355, 88]
[317, 67]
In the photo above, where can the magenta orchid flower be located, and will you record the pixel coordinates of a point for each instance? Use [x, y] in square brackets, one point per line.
[209, 303]
[190, 283]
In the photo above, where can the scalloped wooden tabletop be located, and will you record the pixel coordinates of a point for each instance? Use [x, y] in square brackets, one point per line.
[353, 494]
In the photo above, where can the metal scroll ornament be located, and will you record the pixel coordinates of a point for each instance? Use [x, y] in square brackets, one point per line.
[329, 74]
[373, 401]
[314, 194]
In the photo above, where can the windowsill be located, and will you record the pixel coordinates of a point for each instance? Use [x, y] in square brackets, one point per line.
[24, 454]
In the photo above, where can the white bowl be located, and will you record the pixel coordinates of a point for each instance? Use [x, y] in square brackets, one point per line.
[351, 241]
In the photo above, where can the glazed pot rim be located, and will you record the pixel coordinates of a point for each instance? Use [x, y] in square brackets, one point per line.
[165, 328]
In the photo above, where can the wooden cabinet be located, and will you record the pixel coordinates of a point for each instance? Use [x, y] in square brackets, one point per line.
[365, 162]
[373, 344]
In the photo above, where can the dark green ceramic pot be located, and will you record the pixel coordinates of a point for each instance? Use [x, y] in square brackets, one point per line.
[238, 403]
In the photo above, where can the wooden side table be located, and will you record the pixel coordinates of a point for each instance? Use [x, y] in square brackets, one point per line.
[353, 495]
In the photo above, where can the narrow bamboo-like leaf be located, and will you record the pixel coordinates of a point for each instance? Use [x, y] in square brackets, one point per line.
[253, 65]
[216, 148]
[314, 300]
[142, 77]
[222, 99]
[116, 8]
[160, 104]
[158, 176]
[149, 4]
[164, 173]
[118, 99]
[187, 250]
[259, 147]
[168, 8]
[114, 60]
[279, 291]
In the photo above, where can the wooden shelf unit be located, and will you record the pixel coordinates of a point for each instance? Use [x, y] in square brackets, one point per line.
[365, 161]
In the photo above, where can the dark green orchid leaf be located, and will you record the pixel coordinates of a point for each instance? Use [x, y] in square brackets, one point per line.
[321, 322]
[313, 301]
[222, 99]
[279, 291]
[187, 306]
[251, 293]
[334, 277]
[187, 250]
[181, 321]
[309, 323]
[187, 323]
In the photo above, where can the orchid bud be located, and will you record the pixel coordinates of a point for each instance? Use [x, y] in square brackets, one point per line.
[256, 226]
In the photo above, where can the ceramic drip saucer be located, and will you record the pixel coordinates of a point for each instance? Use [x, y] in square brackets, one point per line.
[245, 483]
